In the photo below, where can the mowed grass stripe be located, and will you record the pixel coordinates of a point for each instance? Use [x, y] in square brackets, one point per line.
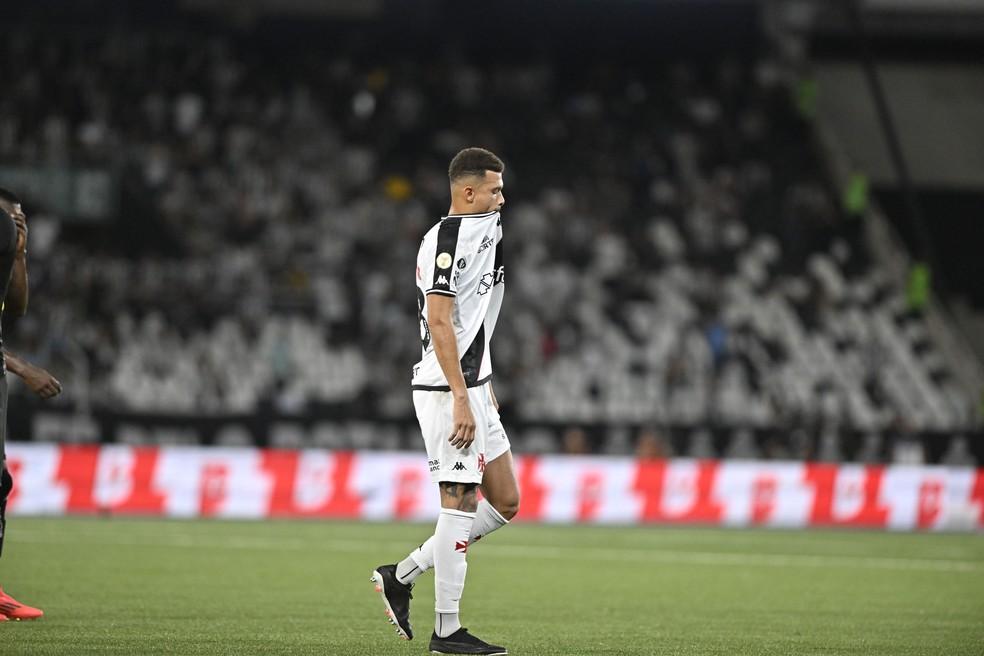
[636, 554]
[858, 541]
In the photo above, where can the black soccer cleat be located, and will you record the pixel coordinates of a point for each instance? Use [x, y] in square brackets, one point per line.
[396, 597]
[462, 642]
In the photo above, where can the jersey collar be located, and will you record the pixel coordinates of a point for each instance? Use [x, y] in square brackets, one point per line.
[470, 216]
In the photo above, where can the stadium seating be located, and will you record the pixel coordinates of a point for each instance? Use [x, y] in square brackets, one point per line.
[674, 254]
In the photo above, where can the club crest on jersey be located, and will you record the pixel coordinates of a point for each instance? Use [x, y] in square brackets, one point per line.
[444, 260]
[461, 263]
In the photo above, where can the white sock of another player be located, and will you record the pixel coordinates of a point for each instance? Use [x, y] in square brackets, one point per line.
[450, 567]
[421, 559]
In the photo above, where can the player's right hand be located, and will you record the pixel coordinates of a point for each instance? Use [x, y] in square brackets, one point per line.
[463, 424]
[42, 383]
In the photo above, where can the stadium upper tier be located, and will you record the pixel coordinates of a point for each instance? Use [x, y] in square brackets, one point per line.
[673, 251]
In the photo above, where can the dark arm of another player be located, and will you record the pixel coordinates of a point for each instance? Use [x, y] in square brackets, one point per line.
[441, 324]
[16, 300]
[39, 380]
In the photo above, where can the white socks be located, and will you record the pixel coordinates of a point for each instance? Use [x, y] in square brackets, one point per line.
[450, 544]
[407, 570]
[445, 552]
[445, 624]
[421, 559]
[487, 519]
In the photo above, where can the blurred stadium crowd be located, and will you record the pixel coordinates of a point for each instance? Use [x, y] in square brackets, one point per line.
[674, 253]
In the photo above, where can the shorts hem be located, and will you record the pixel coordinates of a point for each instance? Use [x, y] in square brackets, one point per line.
[491, 455]
[444, 477]
[447, 388]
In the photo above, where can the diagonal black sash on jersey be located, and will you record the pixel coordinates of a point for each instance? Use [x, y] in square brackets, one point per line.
[471, 361]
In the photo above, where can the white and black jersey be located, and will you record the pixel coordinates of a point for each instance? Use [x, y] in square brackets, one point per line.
[461, 256]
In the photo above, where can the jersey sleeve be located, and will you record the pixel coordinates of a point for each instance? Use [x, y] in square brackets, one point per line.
[446, 259]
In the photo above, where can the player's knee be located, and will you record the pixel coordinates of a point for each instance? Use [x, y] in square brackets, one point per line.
[508, 506]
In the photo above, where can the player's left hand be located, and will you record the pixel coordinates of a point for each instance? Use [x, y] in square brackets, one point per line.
[42, 383]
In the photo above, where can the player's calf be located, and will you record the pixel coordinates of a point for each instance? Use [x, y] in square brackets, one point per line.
[6, 486]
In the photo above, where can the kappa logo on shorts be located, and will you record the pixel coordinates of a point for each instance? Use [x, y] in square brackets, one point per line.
[458, 467]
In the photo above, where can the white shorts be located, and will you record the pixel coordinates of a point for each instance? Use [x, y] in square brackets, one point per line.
[459, 465]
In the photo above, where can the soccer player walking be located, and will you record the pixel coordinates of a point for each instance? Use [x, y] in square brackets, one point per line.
[460, 282]
[13, 298]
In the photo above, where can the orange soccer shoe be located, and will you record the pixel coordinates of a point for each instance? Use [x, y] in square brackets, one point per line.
[11, 609]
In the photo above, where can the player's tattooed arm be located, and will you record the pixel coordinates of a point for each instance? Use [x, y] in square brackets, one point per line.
[439, 319]
[459, 496]
[37, 379]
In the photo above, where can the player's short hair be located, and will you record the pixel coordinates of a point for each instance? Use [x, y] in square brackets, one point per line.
[7, 195]
[474, 161]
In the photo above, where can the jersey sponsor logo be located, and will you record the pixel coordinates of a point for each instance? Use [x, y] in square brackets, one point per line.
[485, 284]
[444, 260]
[486, 242]
[491, 279]
[425, 334]
[442, 280]
[458, 467]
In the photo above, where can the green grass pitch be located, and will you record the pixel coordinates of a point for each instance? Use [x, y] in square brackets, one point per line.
[124, 586]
